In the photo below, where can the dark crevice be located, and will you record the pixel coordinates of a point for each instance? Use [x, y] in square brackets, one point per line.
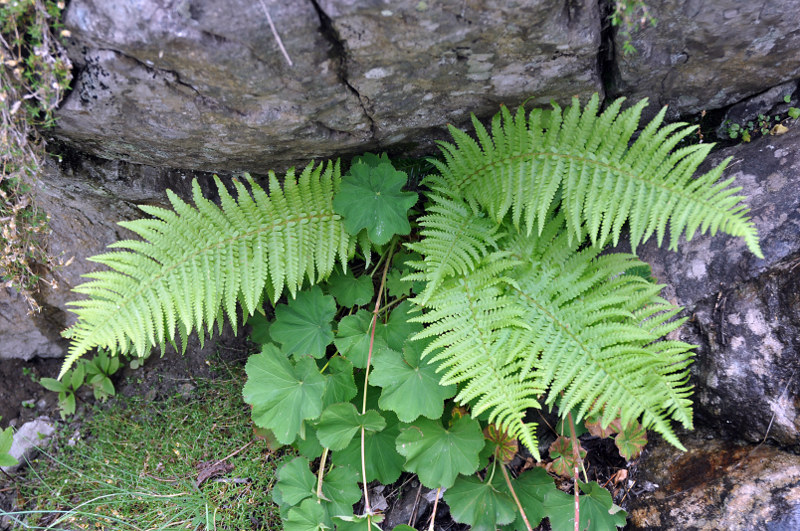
[606, 61]
[339, 57]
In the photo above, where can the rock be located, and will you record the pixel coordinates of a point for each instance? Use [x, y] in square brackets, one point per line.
[718, 485]
[204, 85]
[769, 103]
[28, 440]
[707, 55]
[743, 310]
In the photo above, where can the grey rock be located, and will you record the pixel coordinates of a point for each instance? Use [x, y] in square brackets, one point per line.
[203, 84]
[743, 310]
[769, 103]
[28, 440]
[717, 485]
[707, 55]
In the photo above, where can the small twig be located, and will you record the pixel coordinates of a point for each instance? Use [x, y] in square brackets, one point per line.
[576, 455]
[275, 33]
[412, 520]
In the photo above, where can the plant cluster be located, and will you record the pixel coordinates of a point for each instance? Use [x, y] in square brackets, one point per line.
[627, 16]
[420, 340]
[763, 124]
[34, 73]
[96, 373]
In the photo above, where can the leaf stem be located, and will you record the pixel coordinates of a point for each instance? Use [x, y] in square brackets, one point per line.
[373, 325]
[516, 499]
[321, 473]
[576, 455]
[435, 505]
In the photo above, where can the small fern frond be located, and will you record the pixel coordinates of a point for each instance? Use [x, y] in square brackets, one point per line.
[195, 262]
[604, 181]
[595, 330]
[480, 332]
[455, 239]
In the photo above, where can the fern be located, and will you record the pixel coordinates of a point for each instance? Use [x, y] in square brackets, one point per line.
[194, 263]
[584, 162]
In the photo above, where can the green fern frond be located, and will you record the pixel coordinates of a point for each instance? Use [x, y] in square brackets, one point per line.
[480, 331]
[455, 239]
[595, 333]
[603, 180]
[195, 262]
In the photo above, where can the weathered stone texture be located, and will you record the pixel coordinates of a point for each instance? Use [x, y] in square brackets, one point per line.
[203, 84]
[707, 55]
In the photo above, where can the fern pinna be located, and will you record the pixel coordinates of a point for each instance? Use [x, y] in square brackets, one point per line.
[195, 262]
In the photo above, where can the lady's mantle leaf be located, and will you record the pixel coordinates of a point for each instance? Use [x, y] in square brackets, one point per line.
[382, 460]
[304, 325]
[352, 338]
[481, 505]
[340, 489]
[563, 459]
[598, 511]
[410, 386]
[372, 198]
[437, 455]
[631, 440]
[340, 386]
[259, 329]
[531, 488]
[310, 516]
[350, 291]
[340, 422]
[295, 482]
[398, 328]
[282, 394]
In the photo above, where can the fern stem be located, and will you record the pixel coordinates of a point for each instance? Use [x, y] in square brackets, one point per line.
[321, 473]
[516, 499]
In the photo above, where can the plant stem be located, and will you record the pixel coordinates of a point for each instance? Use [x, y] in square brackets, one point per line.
[373, 325]
[576, 455]
[516, 499]
[321, 473]
[435, 505]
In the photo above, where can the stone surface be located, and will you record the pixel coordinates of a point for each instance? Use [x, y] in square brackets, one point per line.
[28, 439]
[718, 485]
[707, 55]
[203, 84]
[85, 199]
[745, 312]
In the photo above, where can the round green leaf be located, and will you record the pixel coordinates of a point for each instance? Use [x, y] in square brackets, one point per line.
[482, 505]
[371, 198]
[410, 386]
[283, 395]
[295, 482]
[339, 422]
[340, 386]
[350, 291]
[353, 337]
[310, 516]
[598, 510]
[340, 489]
[6, 440]
[259, 329]
[437, 455]
[304, 325]
[531, 488]
[381, 458]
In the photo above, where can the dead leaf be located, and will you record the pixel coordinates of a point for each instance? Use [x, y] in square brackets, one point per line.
[211, 469]
[779, 129]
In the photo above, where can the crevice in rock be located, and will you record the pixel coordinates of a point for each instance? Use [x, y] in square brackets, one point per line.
[339, 56]
[606, 61]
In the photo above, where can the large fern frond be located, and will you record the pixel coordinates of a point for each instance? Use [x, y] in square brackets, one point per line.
[595, 333]
[586, 162]
[195, 262]
[479, 330]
